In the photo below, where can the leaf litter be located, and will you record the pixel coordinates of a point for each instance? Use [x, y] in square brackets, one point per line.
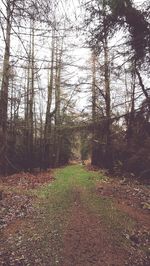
[19, 215]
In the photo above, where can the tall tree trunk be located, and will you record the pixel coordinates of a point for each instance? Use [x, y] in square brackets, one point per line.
[47, 132]
[94, 157]
[12, 127]
[27, 102]
[57, 102]
[42, 140]
[108, 159]
[4, 95]
[30, 102]
[130, 122]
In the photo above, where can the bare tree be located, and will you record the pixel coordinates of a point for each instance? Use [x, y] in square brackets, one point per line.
[5, 86]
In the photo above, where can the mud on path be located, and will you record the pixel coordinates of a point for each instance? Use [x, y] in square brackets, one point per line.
[80, 219]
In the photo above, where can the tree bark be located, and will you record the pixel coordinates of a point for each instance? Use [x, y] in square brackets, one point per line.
[57, 102]
[143, 87]
[47, 131]
[30, 102]
[94, 155]
[130, 122]
[108, 155]
[4, 95]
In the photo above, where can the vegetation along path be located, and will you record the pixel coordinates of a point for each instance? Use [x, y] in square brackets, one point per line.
[80, 218]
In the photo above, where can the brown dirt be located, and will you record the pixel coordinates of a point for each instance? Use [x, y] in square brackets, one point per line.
[27, 180]
[131, 198]
[86, 242]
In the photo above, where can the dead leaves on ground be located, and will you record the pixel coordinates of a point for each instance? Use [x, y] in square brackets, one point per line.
[28, 180]
[15, 203]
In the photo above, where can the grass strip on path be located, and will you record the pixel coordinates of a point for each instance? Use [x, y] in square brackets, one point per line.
[42, 239]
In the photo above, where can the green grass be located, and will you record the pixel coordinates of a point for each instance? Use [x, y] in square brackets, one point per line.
[72, 182]
[61, 195]
[70, 177]
[54, 206]
[56, 200]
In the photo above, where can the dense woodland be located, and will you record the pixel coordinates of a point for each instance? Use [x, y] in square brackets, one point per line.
[43, 123]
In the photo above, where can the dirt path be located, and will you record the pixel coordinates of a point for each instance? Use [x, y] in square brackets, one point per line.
[80, 219]
[87, 242]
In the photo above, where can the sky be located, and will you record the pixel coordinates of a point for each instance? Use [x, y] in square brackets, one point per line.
[74, 42]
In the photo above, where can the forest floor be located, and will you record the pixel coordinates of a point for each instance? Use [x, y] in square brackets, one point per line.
[78, 218]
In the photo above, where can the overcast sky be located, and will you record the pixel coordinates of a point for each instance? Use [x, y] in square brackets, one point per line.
[75, 42]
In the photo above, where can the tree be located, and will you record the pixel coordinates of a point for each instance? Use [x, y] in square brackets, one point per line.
[49, 113]
[99, 15]
[125, 14]
[30, 100]
[104, 19]
[4, 87]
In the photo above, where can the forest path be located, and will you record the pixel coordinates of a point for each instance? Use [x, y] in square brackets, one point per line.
[80, 219]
